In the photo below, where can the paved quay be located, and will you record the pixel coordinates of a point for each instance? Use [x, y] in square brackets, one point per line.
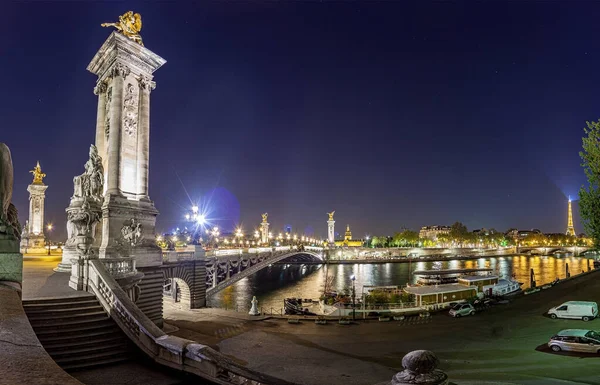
[502, 345]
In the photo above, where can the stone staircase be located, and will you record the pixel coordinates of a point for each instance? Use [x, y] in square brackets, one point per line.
[76, 332]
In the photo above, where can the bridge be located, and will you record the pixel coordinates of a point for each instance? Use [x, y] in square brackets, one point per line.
[546, 250]
[200, 274]
[225, 270]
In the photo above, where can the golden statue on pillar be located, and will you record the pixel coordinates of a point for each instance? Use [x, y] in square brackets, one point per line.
[38, 175]
[264, 216]
[130, 25]
[331, 215]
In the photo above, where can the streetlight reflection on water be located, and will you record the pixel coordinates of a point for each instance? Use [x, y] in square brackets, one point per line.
[271, 286]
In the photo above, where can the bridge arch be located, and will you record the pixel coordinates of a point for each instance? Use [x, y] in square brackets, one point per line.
[190, 277]
[222, 273]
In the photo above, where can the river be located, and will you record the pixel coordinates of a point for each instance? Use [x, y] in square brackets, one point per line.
[271, 285]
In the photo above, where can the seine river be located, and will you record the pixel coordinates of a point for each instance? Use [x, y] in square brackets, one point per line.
[273, 284]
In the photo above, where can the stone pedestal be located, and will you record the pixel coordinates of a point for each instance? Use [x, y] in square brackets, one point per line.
[118, 215]
[124, 69]
[70, 251]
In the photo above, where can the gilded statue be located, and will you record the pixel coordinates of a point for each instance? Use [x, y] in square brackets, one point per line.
[264, 216]
[331, 215]
[130, 25]
[38, 175]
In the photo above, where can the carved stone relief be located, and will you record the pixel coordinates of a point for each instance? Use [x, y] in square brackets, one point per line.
[130, 110]
[107, 112]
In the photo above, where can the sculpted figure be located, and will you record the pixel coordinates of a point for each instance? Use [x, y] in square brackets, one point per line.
[91, 182]
[132, 232]
[38, 175]
[9, 221]
[264, 216]
[331, 215]
[130, 25]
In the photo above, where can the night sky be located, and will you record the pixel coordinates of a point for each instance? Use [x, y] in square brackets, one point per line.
[390, 114]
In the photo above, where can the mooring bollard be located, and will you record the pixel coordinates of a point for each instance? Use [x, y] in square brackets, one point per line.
[420, 367]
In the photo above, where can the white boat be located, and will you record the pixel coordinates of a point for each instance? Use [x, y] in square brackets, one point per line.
[502, 288]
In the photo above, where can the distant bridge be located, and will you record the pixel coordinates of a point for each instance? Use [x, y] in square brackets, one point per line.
[545, 250]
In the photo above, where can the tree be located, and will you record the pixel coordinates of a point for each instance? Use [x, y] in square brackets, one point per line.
[459, 233]
[589, 198]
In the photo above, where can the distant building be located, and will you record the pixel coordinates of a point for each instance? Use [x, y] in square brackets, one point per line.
[432, 232]
[348, 241]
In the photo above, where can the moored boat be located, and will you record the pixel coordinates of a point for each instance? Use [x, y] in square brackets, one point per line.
[294, 306]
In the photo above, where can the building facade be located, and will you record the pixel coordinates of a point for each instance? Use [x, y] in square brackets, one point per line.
[433, 232]
[348, 241]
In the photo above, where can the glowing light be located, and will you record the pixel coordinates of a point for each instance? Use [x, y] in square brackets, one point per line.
[201, 219]
[187, 217]
[175, 239]
[49, 227]
[194, 209]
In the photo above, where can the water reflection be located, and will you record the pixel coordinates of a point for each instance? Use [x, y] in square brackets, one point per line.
[273, 284]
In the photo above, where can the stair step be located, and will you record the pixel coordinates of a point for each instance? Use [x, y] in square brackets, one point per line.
[79, 298]
[83, 335]
[87, 340]
[76, 353]
[63, 312]
[60, 324]
[90, 356]
[50, 318]
[77, 327]
[97, 362]
[65, 304]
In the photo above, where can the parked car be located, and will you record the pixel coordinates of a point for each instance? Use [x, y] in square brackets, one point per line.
[575, 310]
[576, 340]
[462, 309]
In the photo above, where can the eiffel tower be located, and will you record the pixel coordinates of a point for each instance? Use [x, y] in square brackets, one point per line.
[570, 228]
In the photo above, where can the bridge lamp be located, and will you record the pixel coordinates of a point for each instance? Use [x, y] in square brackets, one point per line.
[187, 217]
[200, 219]
[158, 238]
[175, 239]
[256, 234]
[195, 209]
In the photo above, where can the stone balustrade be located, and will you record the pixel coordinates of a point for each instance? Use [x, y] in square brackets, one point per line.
[119, 267]
[171, 351]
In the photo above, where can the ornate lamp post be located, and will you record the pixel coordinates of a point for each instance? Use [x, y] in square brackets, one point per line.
[353, 278]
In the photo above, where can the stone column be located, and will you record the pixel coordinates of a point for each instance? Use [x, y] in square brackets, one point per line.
[126, 68]
[143, 139]
[264, 228]
[119, 72]
[34, 240]
[331, 232]
[100, 91]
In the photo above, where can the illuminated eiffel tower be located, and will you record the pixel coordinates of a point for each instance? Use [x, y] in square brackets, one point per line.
[570, 228]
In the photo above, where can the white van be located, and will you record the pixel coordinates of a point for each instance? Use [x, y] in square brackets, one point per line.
[575, 310]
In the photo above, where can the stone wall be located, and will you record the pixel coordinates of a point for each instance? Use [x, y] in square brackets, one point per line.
[22, 358]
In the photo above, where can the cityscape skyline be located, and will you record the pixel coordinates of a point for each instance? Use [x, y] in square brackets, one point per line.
[390, 140]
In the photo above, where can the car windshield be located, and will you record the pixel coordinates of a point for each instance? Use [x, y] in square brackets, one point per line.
[592, 334]
[457, 307]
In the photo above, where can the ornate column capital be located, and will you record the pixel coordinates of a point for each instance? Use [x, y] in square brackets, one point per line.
[120, 69]
[146, 84]
[100, 88]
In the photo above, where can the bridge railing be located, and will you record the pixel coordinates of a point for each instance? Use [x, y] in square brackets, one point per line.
[171, 351]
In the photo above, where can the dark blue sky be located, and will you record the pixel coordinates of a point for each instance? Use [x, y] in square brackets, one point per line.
[391, 114]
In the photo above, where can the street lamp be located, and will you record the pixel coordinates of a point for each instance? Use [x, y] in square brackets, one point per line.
[49, 227]
[353, 278]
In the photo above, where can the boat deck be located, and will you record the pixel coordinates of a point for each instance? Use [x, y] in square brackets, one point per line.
[450, 271]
